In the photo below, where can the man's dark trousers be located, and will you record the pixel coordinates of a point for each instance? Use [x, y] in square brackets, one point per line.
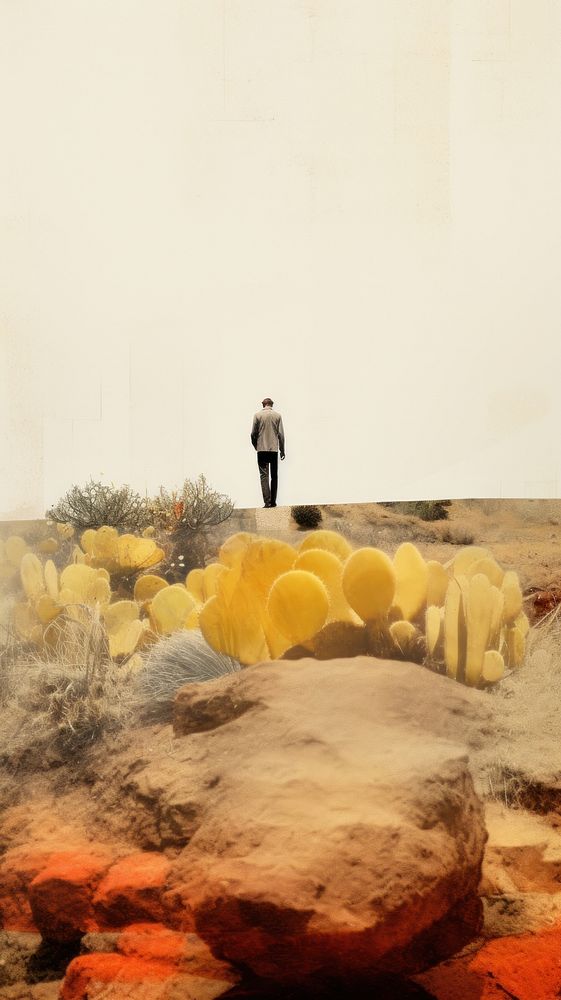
[266, 460]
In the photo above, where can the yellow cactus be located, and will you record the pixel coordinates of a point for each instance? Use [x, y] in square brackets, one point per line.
[15, 549]
[298, 605]
[124, 640]
[437, 583]
[50, 573]
[512, 597]
[88, 540]
[81, 584]
[332, 541]
[514, 645]
[32, 578]
[194, 582]
[120, 613]
[147, 586]
[329, 568]
[65, 531]
[120, 554]
[47, 609]
[434, 630]
[233, 549]
[170, 609]
[522, 624]
[277, 643]
[369, 583]
[466, 557]
[234, 629]
[48, 546]
[211, 575]
[134, 553]
[478, 625]
[490, 568]
[263, 562]
[497, 608]
[493, 667]
[411, 581]
[454, 630]
[403, 633]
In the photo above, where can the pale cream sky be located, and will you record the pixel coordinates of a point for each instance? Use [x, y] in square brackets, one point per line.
[349, 205]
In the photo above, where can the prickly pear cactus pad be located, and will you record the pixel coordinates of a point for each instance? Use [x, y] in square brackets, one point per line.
[263, 599]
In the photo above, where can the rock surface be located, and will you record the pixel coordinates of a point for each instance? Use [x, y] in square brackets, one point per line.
[149, 962]
[524, 967]
[131, 890]
[122, 977]
[61, 894]
[328, 835]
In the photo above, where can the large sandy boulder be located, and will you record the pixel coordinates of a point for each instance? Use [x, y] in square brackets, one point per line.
[328, 834]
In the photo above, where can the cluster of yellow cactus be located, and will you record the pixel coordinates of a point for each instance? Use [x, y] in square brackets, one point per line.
[119, 554]
[479, 627]
[323, 599]
[263, 599]
[156, 608]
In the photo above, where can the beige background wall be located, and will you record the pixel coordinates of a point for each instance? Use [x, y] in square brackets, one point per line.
[350, 205]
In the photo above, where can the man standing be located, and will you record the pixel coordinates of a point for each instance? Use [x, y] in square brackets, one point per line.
[267, 437]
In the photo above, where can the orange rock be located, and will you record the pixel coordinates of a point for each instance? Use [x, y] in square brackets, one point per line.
[154, 941]
[131, 892]
[18, 868]
[527, 967]
[123, 977]
[186, 950]
[61, 894]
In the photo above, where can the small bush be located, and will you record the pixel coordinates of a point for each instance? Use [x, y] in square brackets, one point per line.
[182, 658]
[96, 504]
[306, 515]
[195, 507]
[190, 515]
[458, 536]
[431, 510]
[66, 698]
[426, 510]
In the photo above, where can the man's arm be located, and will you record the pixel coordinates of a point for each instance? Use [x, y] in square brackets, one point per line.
[281, 438]
[255, 431]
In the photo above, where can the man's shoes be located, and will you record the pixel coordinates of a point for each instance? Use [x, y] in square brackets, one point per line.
[266, 505]
[272, 505]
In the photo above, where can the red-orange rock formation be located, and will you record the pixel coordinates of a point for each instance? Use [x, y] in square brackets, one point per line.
[525, 967]
[61, 894]
[132, 890]
[18, 867]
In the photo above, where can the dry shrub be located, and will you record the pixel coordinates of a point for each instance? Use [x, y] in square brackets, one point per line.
[458, 536]
[97, 504]
[61, 700]
[306, 515]
[426, 510]
[190, 515]
[529, 701]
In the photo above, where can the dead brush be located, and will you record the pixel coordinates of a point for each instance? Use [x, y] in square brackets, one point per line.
[65, 697]
[529, 700]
